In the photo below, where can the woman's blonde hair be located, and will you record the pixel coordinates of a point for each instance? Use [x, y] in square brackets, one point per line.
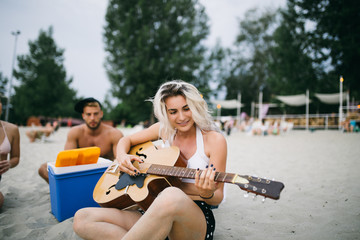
[198, 106]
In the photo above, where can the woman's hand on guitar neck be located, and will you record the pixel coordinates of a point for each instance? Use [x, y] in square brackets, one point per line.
[125, 163]
[204, 181]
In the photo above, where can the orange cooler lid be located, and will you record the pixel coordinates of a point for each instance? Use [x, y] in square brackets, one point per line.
[79, 156]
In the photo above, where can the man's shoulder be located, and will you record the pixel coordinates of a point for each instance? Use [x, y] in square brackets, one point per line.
[109, 128]
[78, 129]
[115, 133]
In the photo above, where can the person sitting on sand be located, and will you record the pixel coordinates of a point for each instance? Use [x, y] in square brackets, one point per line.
[9, 145]
[179, 213]
[45, 131]
[91, 133]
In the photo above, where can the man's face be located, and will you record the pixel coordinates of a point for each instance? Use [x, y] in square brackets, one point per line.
[92, 117]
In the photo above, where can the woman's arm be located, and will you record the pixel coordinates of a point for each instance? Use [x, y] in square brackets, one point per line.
[14, 138]
[216, 148]
[15, 147]
[123, 147]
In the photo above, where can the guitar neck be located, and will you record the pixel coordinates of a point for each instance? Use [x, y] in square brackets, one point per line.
[181, 172]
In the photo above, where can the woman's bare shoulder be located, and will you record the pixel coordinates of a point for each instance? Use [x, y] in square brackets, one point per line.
[214, 140]
[213, 136]
[10, 126]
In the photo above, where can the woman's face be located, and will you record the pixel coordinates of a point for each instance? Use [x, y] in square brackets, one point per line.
[179, 113]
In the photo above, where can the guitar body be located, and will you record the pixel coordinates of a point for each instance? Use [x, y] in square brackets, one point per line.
[141, 190]
[162, 168]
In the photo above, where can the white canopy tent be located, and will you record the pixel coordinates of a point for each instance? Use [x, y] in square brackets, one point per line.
[303, 99]
[332, 98]
[229, 104]
[336, 98]
[297, 101]
[293, 100]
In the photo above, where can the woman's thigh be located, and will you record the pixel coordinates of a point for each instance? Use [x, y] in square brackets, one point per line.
[124, 219]
[188, 219]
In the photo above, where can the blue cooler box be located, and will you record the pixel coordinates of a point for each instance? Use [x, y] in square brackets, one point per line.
[71, 188]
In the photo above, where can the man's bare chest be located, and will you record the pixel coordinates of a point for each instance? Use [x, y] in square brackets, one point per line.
[102, 142]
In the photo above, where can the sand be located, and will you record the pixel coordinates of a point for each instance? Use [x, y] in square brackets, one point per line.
[321, 199]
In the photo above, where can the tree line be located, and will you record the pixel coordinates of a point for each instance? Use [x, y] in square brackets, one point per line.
[306, 45]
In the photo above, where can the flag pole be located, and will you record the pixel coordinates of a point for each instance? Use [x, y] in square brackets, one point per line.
[341, 102]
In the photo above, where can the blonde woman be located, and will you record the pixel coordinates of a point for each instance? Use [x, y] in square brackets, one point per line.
[176, 213]
[9, 146]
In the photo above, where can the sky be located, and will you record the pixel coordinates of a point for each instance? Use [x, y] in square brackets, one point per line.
[78, 29]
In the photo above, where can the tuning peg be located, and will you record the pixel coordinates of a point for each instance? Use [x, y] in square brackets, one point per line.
[263, 200]
[246, 194]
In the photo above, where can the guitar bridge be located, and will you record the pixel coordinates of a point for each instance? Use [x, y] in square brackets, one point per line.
[113, 168]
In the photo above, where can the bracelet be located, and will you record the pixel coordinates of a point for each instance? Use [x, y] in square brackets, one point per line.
[207, 197]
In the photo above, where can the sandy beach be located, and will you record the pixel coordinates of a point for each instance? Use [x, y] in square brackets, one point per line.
[321, 199]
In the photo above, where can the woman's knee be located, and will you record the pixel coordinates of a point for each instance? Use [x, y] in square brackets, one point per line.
[171, 199]
[80, 218]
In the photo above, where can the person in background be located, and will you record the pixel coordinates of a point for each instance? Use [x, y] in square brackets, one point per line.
[9, 148]
[91, 133]
[45, 131]
[177, 213]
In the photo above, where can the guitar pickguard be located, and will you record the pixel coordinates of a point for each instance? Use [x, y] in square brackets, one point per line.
[127, 180]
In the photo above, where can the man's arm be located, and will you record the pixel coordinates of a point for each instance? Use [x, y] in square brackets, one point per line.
[72, 138]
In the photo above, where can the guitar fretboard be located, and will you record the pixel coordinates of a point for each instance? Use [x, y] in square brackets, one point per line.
[186, 173]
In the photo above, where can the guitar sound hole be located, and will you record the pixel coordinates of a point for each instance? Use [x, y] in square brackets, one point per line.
[108, 191]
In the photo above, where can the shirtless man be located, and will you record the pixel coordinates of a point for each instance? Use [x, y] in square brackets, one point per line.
[91, 133]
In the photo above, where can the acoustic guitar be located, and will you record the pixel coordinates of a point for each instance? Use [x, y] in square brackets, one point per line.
[162, 168]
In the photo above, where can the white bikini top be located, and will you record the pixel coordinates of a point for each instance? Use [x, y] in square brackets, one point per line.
[5, 146]
[199, 159]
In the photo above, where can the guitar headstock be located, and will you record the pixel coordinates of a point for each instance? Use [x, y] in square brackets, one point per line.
[260, 186]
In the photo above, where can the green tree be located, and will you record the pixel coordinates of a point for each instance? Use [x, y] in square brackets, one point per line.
[249, 62]
[43, 89]
[335, 39]
[3, 84]
[291, 71]
[148, 43]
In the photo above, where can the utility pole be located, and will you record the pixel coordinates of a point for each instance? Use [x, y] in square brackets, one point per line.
[16, 34]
